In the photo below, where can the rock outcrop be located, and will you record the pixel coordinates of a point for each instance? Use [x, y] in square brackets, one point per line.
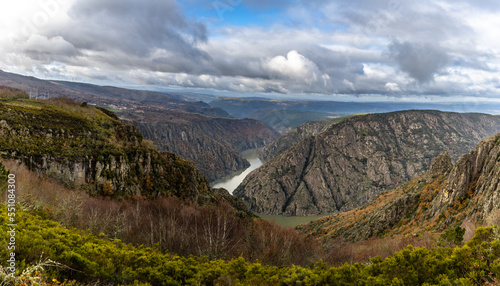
[353, 161]
[212, 143]
[442, 197]
[294, 136]
[85, 148]
[473, 184]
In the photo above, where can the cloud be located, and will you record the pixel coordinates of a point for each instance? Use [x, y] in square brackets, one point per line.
[420, 60]
[125, 34]
[136, 28]
[294, 66]
[316, 46]
[54, 45]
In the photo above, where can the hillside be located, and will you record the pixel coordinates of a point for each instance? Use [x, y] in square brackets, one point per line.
[163, 117]
[88, 148]
[294, 136]
[212, 143]
[443, 197]
[54, 255]
[353, 161]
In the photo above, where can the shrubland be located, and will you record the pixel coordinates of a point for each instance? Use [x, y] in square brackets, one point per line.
[50, 254]
[170, 224]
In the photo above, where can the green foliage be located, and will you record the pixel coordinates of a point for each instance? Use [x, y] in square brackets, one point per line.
[452, 236]
[4, 173]
[87, 258]
[42, 132]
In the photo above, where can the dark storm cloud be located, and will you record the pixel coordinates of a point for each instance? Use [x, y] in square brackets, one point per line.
[142, 34]
[420, 60]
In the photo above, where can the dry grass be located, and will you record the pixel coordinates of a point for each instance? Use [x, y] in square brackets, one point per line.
[170, 224]
[340, 251]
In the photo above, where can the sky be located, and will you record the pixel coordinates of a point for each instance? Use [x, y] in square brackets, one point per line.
[367, 49]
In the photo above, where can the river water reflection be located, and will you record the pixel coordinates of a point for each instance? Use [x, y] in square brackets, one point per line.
[234, 180]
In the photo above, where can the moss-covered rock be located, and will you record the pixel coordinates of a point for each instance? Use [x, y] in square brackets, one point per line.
[88, 148]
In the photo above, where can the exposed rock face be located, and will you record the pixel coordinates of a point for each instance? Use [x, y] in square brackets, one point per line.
[442, 197]
[386, 211]
[473, 183]
[212, 143]
[355, 160]
[85, 148]
[294, 136]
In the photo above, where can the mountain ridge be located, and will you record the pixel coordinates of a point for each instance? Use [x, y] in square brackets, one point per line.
[85, 148]
[152, 110]
[297, 134]
[445, 196]
[353, 161]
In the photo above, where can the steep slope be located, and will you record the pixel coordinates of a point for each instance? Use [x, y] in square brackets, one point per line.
[212, 143]
[89, 148]
[353, 161]
[294, 136]
[390, 212]
[442, 197]
[153, 111]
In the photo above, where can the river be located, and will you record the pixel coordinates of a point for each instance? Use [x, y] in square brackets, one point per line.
[231, 182]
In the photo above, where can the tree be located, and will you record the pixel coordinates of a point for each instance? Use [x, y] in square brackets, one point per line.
[452, 237]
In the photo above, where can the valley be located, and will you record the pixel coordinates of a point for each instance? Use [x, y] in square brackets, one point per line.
[259, 143]
[174, 122]
[231, 182]
[127, 195]
[353, 161]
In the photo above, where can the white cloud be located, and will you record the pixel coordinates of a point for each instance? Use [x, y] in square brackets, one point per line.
[293, 66]
[320, 46]
[392, 86]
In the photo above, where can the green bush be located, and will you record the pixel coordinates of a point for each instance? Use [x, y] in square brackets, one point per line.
[452, 236]
[87, 258]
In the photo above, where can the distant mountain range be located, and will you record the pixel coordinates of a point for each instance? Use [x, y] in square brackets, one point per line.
[242, 107]
[284, 120]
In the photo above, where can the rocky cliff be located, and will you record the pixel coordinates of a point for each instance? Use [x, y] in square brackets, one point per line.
[214, 138]
[353, 161]
[294, 136]
[212, 143]
[444, 196]
[86, 148]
